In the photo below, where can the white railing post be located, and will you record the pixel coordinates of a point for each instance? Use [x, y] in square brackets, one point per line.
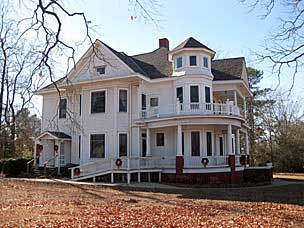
[72, 173]
[228, 106]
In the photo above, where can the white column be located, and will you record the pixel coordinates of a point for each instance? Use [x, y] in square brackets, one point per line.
[179, 141]
[229, 139]
[35, 153]
[139, 101]
[237, 141]
[115, 136]
[148, 141]
[178, 106]
[245, 108]
[235, 98]
[247, 143]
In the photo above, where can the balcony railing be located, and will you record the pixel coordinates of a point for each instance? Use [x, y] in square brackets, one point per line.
[191, 109]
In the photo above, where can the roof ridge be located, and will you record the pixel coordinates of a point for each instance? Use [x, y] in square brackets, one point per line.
[241, 57]
[145, 53]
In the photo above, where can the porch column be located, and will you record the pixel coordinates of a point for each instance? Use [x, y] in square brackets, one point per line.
[245, 108]
[246, 143]
[148, 141]
[235, 98]
[179, 141]
[57, 142]
[229, 139]
[179, 153]
[237, 141]
[139, 101]
[35, 153]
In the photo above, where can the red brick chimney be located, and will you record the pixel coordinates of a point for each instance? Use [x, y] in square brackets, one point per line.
[164, 42]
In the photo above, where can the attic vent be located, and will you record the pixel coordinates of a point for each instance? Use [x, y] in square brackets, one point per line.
[101, 70]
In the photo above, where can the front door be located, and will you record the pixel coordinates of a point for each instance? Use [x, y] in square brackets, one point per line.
[62, 154]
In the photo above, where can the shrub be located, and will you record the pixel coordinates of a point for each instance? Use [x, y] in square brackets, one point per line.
[13, 167]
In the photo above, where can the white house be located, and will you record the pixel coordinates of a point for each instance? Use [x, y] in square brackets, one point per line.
[165, 112]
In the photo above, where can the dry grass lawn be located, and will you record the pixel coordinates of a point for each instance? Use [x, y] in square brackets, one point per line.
[32, 204]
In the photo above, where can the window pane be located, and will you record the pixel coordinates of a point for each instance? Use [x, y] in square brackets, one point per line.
[194, 94]
[123, 100]
[101, 70]
[195, 143]
[221, 146]
[160, 139]
[179, 62]
[98, 102]
[183, 143]
[62, 108]
[143, 102]
[80, 100]
[179, 94]
[123, 145]
[154, 102]
[209, 144]
[192, 60]
[97, 146]
[207, 95]
[205, 62]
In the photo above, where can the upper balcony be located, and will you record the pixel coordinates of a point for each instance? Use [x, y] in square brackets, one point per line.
[207, 109]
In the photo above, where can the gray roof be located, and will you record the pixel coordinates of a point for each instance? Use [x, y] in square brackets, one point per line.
[60, 135]
[228, 69]
[155, 64]
[191, 43]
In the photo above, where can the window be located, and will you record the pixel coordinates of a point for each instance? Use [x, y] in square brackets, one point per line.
[221, 146]
[194, 94]
[123, 100]
[207, 94]
[101, 70]
[79, 146]
[98, 101]
[62, 108]
[154, 101]
[209, 143]
[97, 146]
[192, 60]
[160, 139]
[123, 145]
[179, 94]
[205, 61]
[195, 143]
[80, 104]
[179, 62]
[143, 102]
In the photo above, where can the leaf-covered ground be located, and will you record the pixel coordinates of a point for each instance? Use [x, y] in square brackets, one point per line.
[32, 204]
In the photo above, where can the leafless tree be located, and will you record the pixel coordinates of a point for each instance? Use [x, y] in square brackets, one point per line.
[284, 47]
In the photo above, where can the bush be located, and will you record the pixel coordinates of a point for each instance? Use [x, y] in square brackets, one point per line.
[13, 167]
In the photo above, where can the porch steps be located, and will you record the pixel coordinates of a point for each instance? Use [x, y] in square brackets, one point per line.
[39, 172]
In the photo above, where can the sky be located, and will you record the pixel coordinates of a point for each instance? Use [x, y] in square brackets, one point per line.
[226, 26]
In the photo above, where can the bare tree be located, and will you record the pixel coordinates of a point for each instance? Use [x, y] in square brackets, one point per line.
[284, 47]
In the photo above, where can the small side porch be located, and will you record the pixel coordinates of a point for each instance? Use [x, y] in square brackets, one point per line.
[52, 149]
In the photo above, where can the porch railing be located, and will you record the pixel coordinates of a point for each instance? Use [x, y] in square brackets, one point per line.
[190, 109]
[128, 164]
[196, 162]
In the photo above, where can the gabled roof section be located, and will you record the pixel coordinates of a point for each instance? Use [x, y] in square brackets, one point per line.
[228, 69]
[191, 43]
[55, 134]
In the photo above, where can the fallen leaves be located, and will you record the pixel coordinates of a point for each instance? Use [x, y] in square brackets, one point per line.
[28, 204]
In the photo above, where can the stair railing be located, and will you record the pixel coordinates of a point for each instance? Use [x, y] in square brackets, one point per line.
[47, 162]
[28, 165]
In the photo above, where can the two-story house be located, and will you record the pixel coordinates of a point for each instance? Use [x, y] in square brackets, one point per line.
[174, 114]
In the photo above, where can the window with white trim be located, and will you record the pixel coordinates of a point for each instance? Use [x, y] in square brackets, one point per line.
[179, 62]
[123, 144]
[205, 61]
[192, 60]
[123, 100]
[97, 146]
[98, 102]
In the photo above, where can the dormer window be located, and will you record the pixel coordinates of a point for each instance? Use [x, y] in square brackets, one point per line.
[179, 62]
[205, 61]
[101, 70]
[192, 60]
